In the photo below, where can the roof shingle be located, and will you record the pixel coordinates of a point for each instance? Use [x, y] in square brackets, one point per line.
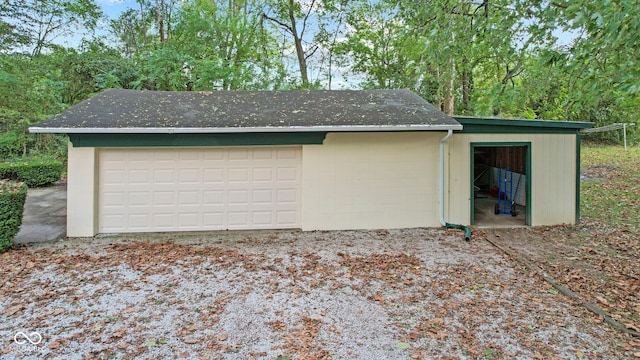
[136, 111]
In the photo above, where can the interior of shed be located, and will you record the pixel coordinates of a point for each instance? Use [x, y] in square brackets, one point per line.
[500, 186]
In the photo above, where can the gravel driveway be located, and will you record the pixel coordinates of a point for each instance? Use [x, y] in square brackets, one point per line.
[402, 294]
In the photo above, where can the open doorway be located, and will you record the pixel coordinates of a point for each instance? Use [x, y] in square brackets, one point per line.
[501, 183]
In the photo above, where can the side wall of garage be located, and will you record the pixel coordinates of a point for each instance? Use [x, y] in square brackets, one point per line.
[82, 199]
[371, 181]
[553, 176]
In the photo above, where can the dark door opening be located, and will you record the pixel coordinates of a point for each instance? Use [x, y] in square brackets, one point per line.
[500, 184]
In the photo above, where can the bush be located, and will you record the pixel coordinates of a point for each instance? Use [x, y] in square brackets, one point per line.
[33, 172]
[12, 197]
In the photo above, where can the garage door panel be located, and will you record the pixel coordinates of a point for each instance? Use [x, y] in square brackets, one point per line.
[112, 177]
[238, 219]
[189, 155]
[163, 176]
[139, 198]
[263, 174]
[287, 174]
[213, 220]
[199, 189]
[188, 220]
[110, 199]
[213, 176]
[164, 221]
[213, 197]
[215, 156]
[138, 221]
[189, 176]
[163, 198]
[262, 218]
[263, 196]
[263, 154]
[285, 217]
[238, 175]
[188, 198]
[287, 196]
[115, 221]
[139, 177]
[238, 198]
[238, 154]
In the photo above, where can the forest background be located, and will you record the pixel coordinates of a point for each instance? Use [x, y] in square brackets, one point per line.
[572, 60]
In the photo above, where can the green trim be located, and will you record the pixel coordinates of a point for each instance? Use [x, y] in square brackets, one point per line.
[578, 171]
[231, 139]
[475, 125]
[528, 167]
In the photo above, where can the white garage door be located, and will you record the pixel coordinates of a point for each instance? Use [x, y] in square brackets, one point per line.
[184, 189]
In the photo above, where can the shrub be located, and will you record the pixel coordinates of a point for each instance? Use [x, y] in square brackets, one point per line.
[33, 172]
[12, 197]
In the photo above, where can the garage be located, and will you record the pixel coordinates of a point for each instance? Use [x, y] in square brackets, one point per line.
[156, 161]
[188, 189]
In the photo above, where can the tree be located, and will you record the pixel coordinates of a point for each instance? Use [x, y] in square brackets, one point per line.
[228, 47]
[602, 60]
[37, 23]
[28, 94]
[313, 27]
[130, 29]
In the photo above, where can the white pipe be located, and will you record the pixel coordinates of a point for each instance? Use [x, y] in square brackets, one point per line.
[441, 183]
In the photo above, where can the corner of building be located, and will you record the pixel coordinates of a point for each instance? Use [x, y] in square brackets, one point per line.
[81, 192]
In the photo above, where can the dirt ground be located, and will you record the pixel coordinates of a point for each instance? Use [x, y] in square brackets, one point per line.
[400, 294]
[599, 263]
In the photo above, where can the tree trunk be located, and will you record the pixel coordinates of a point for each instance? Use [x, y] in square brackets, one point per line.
[160, 15]
[467, 86]
[143, 28]
[302, 61]
[448, 101]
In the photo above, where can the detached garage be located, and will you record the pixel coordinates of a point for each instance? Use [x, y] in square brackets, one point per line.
[144, 161]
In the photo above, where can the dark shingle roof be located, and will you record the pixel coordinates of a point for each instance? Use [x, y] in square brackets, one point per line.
[134, 111]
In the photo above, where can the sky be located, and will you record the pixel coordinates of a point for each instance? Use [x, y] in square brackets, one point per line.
[113, 8]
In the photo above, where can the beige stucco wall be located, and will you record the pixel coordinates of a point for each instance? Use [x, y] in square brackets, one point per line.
[81, 192]
[380, 180]
[371, 181]
[553, 176]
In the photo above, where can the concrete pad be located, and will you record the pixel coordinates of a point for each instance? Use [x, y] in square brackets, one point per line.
[45, 215]
[485, 216]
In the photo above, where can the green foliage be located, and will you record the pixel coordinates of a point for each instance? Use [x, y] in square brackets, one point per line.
[33, 172]
[486, 58]
[12, 199]
[99, 68]
[29, 93]
[226, 44]
[36, 23]
[9, 145]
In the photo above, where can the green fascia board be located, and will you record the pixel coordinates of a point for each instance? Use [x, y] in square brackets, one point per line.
[479, 125]
[182, 139]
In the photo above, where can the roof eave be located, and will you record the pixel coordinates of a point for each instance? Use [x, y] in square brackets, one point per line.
[534, 123]
[283, 129]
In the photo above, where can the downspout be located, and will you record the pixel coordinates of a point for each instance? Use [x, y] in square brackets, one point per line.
[467, 230]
